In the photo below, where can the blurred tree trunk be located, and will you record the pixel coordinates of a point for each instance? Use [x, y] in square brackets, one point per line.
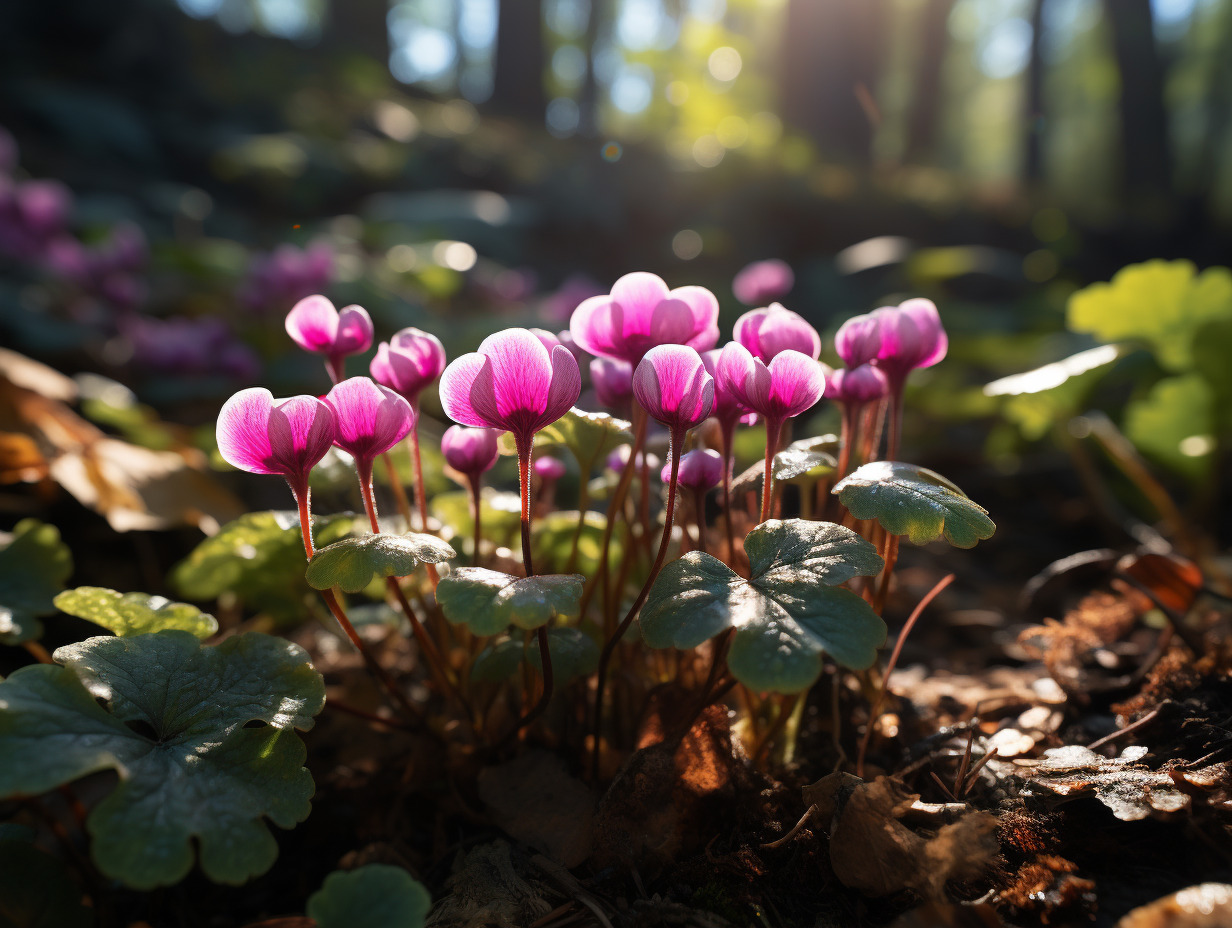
[833, 52]
[925, 117]
[357, 27]
[518, 84]
[1033, 157]
[1144, 120]
[588, 103]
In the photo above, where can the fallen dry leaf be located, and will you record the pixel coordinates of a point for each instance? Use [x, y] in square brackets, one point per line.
[872, 851]
[1207, 905]
[134, 488]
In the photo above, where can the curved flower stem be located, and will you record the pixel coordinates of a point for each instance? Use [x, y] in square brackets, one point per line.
[729, 435]
[545, 656]
[885, 677]
[476, 515]
[38, 652]
[302, 502]
[432, 656]
[896, 420]
[674, 442]
[615, 504]
[847, 437]
[699, 510]
[421, 495]
[773, 430]
[890, 556]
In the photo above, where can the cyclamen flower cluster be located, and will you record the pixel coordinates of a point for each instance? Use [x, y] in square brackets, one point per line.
[34, 227]
[287, 275]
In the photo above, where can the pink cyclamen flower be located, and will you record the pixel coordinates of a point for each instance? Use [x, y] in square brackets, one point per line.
[790, 384]
[766, 332]
[727, 409]
[617, 460]
[613, 381]
[700, 469]
[762, 281]
[547, 468]
[371, 419]
[470, 451]
[854, 385]
[641, 313]
[511, 383]
[548, 339]
[315, 325]
[262, 435]
[672, 385]
[858, 340]
[410, 361]
[911, 336]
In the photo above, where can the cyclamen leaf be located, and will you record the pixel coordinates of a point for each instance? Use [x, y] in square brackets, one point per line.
[353, 562]
[906, 499]
[488, 601]
[33, 569]
[260, 558]
[371, 896]
[131, 614]
[785, 615]
[797, 463]
[573, 652]
[175, 728]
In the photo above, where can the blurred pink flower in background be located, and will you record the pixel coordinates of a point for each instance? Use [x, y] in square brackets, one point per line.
[286, 275]
[763, 281]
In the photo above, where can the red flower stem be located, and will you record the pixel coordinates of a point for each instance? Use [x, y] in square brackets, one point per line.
[699, 510]
[885, 677]
[773, 430]
[644, 486]
[847, 437]
[674, 442]
[432, 656]
[421, 495]
[890, 556]
[477, 515]
[545, 656]
[302, 502]
[729, 430]
[38, 652]
[896, 419]
[615, 504]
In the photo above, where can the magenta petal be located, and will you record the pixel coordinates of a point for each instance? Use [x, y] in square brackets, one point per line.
[596, 326]
[566, 386]
[313, 324]
[671, 323]
[380, 368]
[638, 294]
[797, 383]
[858, 340]
[700, 469]
[301, 431]
[747, 328]
[457, 382]
[736, 367]
[521, 373]
[612, 380]
[469, 450]
[354, 331]
[704, 306]
[546, 338]
[371, 419]
[706, 339]
[243, 431]
[412, 360]
[672, 385]
[549, 468]
[933, 339]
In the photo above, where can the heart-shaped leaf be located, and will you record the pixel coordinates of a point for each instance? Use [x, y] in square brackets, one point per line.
[488, 601]
[370, 896]
[588, 436]
[353, 562]
[574, 654]
[202, 739]
[786, 614]
[799, 464]
[260, 558]
[131, 614]
[906, 499]
[33, 569]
